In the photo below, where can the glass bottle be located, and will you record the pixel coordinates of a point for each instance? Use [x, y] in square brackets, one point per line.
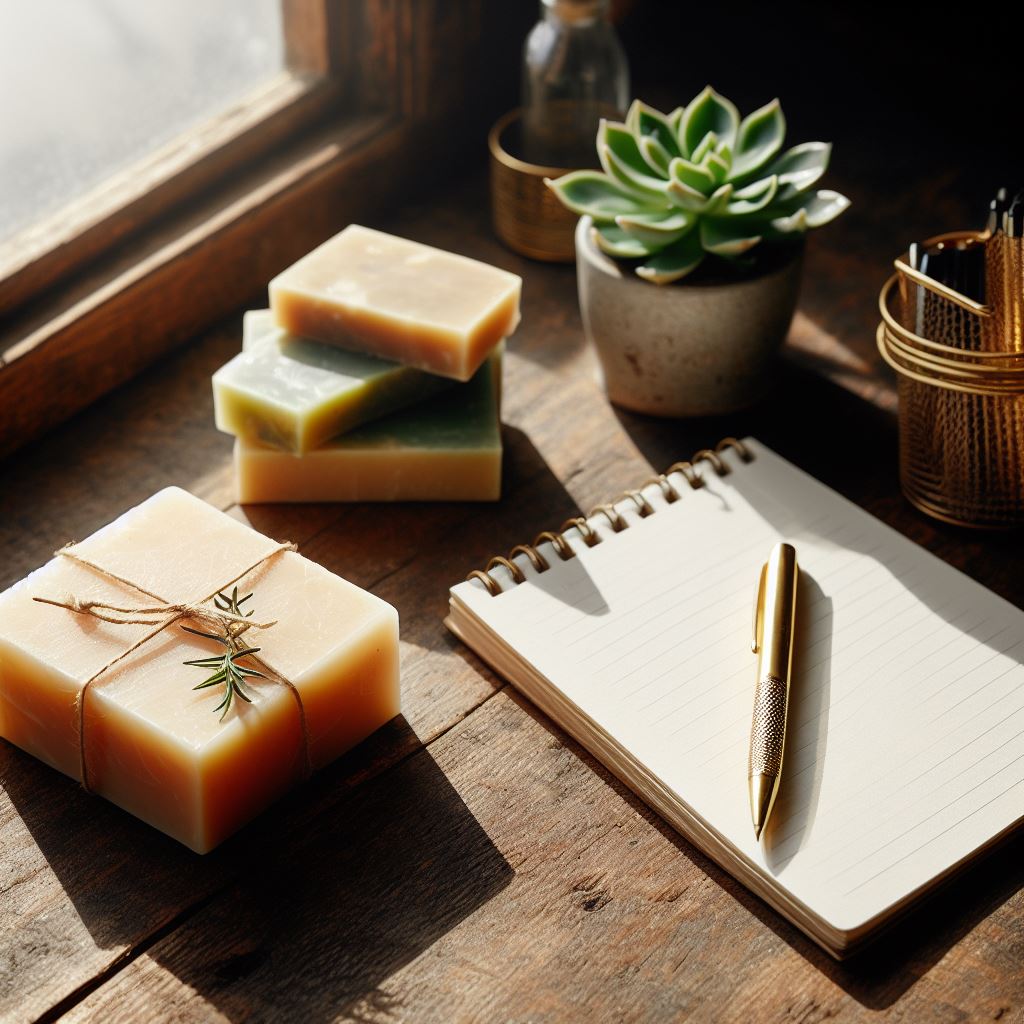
[574, 73]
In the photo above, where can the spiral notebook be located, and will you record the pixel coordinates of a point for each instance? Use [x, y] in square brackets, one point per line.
[631, 629]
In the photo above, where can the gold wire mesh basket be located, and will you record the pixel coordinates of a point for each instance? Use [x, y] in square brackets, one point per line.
[961, 398]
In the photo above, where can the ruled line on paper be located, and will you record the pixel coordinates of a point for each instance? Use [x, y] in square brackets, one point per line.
[846, 802]
[685, 641]
[850, 693]
[794, 755]
[804, 723]
[683, 584]
[807, 669]
[1016, 783]
[837, 846]
[811, 721]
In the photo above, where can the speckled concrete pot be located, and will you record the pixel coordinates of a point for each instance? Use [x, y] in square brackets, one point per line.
[683, 349]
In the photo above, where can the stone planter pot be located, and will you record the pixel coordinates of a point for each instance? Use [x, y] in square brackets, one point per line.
[683, 349]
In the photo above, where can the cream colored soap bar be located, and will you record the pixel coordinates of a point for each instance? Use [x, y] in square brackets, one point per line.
[153, 744]
[292, 393]
[445, 449]
[400, 300]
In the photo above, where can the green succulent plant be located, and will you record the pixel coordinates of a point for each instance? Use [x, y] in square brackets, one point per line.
[677, 187]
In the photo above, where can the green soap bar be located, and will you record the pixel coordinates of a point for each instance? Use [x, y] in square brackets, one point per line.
[447, 448]
[256, 324]
[295, 394]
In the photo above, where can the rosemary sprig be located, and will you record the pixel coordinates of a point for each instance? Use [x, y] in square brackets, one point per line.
[226, 669]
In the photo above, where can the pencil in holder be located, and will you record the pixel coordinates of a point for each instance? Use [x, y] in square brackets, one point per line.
[961, 400]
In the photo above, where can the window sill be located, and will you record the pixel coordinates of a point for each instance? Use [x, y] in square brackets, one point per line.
[40, 256]
[175, 279]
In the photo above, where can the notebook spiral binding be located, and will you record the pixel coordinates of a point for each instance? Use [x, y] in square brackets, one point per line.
[563, 549]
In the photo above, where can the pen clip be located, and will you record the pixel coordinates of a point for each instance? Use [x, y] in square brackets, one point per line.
[758, 621]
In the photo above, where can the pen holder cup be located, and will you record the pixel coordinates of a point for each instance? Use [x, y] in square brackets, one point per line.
[527, 217]
[961, 408]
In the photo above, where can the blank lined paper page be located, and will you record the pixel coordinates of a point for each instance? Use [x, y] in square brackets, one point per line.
[905, 749]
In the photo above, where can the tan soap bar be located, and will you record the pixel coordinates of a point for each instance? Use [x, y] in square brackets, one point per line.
[153, 744]
[445, 449]
[400, 300]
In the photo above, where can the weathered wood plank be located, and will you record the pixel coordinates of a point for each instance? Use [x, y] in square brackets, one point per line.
[115, 454]
[502, 875]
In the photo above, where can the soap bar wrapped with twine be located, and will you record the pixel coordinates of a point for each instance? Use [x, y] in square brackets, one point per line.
[102, 648]
[225, 616]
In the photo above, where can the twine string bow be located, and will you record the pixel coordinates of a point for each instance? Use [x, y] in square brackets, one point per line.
[160, 616]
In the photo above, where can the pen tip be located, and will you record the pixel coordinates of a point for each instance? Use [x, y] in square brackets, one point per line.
[757, 831]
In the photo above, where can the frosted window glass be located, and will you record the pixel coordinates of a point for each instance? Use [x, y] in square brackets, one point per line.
[91, 86]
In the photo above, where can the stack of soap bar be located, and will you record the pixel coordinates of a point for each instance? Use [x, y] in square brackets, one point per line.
[420, 306]
[436, 448]
[375, 376]
[448, 447]
[153, 744]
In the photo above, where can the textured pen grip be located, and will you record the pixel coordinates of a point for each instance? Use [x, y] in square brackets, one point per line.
[768, 730]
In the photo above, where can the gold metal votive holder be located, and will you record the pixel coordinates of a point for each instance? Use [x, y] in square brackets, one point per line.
[961, 402]
[527, 216]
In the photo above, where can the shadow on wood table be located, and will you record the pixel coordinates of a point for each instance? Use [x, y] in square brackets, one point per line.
[325, 902]
[323, 919]
[879, 975]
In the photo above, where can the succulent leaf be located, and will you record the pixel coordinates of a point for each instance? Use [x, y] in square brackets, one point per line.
[675, 261]
[593, 193]
[619, 139]
[705, 146]
[698, 180]
[644, 121]
[718, 167]
[756, 188]
[811, 210]
[791, 224]
[760, 137]
[726, 238]
[709, 112]
[692, 175]
[610, 238]
[656, 231]
[640, 182]
[719, 200]
[686, 197]
[754, 197]
[800, 167]
[657, 156]
[824, 206]
[675, 119]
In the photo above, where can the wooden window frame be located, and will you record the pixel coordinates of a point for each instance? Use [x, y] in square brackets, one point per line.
[143, 264]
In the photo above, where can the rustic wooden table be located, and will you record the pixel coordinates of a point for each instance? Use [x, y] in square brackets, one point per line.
[468, 862]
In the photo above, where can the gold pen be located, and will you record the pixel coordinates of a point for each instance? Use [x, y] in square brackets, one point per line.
[774, 621]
